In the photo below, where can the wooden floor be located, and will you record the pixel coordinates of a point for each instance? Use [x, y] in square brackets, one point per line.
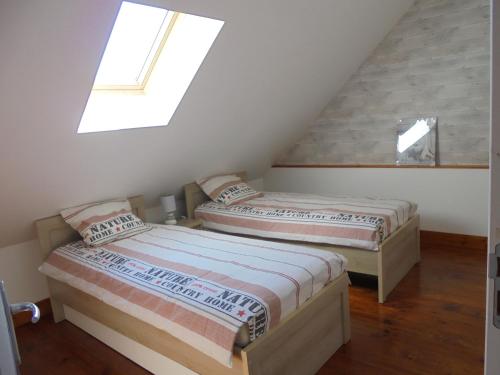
[431, 324]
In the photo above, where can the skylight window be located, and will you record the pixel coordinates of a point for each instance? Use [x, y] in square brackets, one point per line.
[133, 46]
[151, 58]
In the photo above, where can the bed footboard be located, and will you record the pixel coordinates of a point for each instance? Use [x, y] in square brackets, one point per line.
[299, 345]
[303, 342]
[397, 256]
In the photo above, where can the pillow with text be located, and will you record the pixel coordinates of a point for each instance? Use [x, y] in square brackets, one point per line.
[227, 189]
[104, 222]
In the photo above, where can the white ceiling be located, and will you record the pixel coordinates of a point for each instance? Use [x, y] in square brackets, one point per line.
[273, 68]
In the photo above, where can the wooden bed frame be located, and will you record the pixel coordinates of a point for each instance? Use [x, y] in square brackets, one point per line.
[299, 345]
[396, 256]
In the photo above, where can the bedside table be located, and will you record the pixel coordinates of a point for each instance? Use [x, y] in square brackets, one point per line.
[190, 223]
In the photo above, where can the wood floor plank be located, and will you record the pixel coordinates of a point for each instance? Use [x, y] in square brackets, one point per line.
[433, 323]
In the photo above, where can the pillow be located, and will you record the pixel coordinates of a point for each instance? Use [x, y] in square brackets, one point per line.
[104, 222]
[227, 189]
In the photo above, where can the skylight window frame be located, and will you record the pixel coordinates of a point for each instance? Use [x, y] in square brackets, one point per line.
[187, 46]
[139, 88]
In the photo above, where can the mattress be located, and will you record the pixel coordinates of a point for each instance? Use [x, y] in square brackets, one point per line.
[362, 223]
[208, 289]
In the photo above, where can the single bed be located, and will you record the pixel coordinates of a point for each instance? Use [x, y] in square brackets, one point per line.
[387, 250]
[298, 344]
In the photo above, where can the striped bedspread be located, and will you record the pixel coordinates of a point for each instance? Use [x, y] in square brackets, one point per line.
[198, 286]
[356, 222]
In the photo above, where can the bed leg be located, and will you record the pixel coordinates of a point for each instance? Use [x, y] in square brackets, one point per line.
[418, 256]
[57, 306]
[396, 258]
[57, 310]
[381, 295]
[380, 277]
[346, 316]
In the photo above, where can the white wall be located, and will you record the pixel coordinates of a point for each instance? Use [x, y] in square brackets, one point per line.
[450, 200]
[257, 184]
[271, 70]
[19, 270]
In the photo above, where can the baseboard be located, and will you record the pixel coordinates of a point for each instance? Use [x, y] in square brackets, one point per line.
[25, 317]
[430, 239]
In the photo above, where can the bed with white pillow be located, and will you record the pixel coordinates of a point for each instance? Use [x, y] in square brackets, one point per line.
[379, 237]
[362, 223]
[212, 303]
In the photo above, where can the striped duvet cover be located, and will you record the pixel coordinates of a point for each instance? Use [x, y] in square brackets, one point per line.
[200, 287]
[356, 222]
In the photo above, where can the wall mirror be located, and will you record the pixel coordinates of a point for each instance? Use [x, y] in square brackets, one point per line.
[416, 141]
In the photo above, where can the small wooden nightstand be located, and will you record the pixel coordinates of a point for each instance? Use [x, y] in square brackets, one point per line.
[191, 223]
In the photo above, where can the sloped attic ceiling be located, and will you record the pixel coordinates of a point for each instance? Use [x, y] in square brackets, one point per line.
[272, 69]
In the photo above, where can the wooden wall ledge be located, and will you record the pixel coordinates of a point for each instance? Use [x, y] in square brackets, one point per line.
[451, 166]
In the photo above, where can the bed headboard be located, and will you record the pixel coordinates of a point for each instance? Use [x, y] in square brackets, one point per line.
[54, 232]
[195, 196]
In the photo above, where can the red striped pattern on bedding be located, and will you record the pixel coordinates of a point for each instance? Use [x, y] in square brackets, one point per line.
[200, 287]
[215, 332]
[257, 290]
[355, 222]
